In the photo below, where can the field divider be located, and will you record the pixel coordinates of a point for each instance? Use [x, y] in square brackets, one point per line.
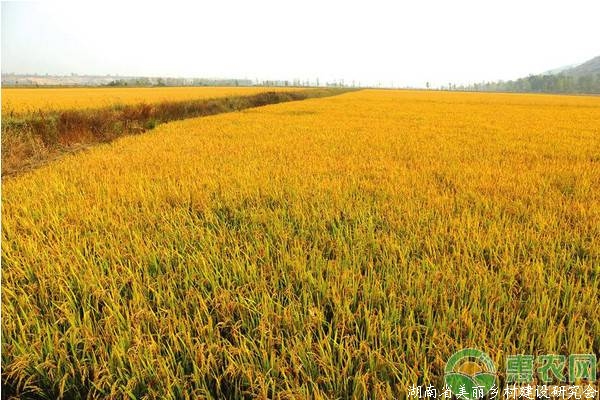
[32, 140]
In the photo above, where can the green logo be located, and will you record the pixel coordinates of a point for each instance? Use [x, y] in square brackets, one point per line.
[470, 374]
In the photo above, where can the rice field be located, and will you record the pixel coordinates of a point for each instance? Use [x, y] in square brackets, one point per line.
[340, 247]
[19, 101]
[32, 138]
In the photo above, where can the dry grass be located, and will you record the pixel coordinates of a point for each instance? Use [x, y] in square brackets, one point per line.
[330, 248]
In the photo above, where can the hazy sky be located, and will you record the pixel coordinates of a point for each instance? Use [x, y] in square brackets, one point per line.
[407, 43]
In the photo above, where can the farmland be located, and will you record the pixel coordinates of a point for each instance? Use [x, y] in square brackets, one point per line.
[41, 125]
[19, 101]
[333, 247]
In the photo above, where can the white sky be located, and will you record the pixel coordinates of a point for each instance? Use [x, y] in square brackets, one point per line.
[407, 43]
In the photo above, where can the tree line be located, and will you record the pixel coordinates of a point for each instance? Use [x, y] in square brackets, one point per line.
[560, 83]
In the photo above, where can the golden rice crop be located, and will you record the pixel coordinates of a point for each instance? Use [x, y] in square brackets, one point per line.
[24, 100]
[330, 248]
[32, 139]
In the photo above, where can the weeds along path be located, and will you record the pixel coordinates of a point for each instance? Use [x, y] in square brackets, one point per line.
[340, 247]
[33, 138]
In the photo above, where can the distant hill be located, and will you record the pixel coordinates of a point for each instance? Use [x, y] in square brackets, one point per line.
[583, 78]
[555, 71]
[591, 67]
